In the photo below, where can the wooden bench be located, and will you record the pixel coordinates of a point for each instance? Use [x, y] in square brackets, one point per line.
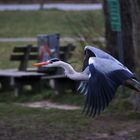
[17, 79]
[23, 54]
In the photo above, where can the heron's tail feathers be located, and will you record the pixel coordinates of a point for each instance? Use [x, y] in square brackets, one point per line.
[133, 84]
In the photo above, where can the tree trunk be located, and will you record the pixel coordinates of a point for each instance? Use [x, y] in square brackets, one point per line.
[135, 9]
[130, 20]
[127, 39]
[111, 36]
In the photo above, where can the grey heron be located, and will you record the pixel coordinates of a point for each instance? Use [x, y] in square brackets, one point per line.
[101, 76]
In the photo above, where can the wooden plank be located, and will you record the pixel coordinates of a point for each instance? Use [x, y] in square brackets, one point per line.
[21, 57]
[23, 49]
[24, 63]
[23, 54]
[54, 76]
[4, 73]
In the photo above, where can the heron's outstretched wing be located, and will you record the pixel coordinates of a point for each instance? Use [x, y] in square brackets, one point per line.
[95, 52]
[101, 88]
[101, 54]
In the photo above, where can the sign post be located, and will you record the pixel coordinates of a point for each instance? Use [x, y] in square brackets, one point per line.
[115, 21]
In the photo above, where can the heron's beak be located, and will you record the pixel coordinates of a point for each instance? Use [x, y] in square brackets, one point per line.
[40, 64]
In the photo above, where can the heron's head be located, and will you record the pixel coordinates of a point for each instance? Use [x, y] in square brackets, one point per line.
[54, 62]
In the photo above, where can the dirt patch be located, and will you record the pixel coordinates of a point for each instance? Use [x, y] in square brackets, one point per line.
[48, 105]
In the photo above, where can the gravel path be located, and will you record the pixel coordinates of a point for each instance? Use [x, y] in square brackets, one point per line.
[48, 105]
[60, 6]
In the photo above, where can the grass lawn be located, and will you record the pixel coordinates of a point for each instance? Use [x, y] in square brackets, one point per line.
[118, 122]
[32, 23]
[41, 124]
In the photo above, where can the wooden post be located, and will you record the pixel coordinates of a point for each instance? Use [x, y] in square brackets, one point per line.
[24, 62]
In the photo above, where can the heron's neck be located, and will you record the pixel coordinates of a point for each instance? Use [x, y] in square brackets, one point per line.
[72, 74]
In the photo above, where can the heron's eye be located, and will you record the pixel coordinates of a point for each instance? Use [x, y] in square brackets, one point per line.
[54, 60]
[51, 62]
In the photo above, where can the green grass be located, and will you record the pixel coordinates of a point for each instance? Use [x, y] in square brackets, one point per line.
[32, 23]
[26, 123]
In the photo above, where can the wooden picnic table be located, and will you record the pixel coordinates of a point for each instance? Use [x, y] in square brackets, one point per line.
[16, 79]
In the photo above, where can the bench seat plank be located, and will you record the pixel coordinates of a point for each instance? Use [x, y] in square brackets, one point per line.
[6, 73]
[21, 57]
[54, 76]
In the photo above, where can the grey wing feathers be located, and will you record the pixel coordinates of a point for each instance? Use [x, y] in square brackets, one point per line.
[101, 88]
[101, 54]
[101, 91]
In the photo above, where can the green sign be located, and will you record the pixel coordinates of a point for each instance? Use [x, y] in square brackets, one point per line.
[114, 13]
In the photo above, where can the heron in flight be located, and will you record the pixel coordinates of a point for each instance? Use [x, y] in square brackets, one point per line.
[101, 76]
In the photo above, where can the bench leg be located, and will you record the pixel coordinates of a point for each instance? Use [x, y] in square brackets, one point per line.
[62, 85]
[7, 83]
